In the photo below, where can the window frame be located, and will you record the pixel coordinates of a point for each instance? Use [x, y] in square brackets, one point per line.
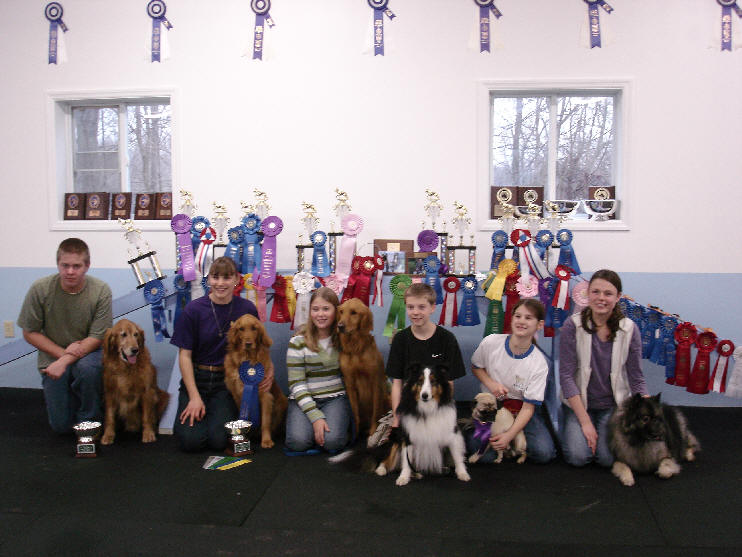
[60, 150]
[621, 88]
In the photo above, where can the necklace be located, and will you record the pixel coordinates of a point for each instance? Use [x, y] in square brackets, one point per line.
[221, 329]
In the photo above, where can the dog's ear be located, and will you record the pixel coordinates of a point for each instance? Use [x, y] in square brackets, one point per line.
[366, 322]
[109, 341]
[232, 340]
[141, 336]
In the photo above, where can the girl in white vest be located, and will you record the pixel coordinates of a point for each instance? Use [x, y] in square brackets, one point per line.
[600, 354]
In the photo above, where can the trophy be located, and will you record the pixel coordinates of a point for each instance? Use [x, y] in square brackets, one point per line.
[341, 208]
[221, 222]
[601, 206]
[238, 444]
[310, 222]
[504, 196]
[87, 436]
[187, 206]
[531, 212]
[138, 251]
[558, 210]
[262, 209]
[461, 222]
[246, 208]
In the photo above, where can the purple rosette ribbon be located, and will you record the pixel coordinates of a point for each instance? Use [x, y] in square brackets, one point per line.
[181, 225]
[593, 14]
[156, 10]
[251, 375]
[262, 16]
[427, 240]
[53, 12]
[726, 22]
[380, 8]
[485, 7]
[271, 227]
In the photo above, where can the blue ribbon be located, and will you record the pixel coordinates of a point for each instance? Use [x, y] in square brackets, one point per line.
[183, 295]
[53, 13]
[650, 332]
[567, 255]
[499, 243]
[469, 313]
[234, 248]
[432, 265]
[594, 16]
[482, 432]
[251, 255]
[484, 22]
[668, 325]
[320, 263]
[205, 284]
[197, 225]
[154, 293]
[156, 10]
[251, 375]
[543, 241]
[380, 8]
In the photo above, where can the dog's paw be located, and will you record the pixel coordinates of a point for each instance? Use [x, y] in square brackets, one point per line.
[668, 468]
[381, 470]
[521, 458]
[690, 454]
[623, 473]
[463, 475]
[148, 436]
[473, 458]
[107, 438]
[267, 443]
[403, 479]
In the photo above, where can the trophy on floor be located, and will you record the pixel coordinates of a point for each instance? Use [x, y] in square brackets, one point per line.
[139, 251]
[238, 443]
[601, 206]
[87, 439]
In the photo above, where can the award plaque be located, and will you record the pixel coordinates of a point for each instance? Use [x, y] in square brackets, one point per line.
[530, 194]
[74, 206]
[601, 202]
[121, 206]
[498, 195]
[96, 206]
[87, 439]
[238, 443]
[145, 206]
[163, 205]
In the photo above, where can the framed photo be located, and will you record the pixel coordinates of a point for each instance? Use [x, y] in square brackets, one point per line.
[395, 254]
[415, 262]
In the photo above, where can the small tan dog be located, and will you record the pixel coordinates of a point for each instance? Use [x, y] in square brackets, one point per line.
[488, 409]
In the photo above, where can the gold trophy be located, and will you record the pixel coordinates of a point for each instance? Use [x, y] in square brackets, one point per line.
[601, 206]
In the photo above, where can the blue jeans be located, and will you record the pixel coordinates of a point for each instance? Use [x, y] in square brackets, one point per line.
[77, 396]
[574, 445]
[540, 448]
[299, 431]
[209, 432]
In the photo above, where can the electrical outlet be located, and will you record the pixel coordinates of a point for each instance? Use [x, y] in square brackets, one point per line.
[9, 329]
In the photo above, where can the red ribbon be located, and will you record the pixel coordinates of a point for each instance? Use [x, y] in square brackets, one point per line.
[450, 304]
[239, 286]
[280, 310]
[699, 377]
[355, 274]
[511, 297]
[561, 292]
[685, 335]
[725, 349]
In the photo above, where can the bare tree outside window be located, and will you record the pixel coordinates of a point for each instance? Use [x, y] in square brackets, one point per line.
[148, 148]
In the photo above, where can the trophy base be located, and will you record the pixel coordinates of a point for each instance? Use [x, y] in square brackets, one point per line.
[86, 450]
[238, 448]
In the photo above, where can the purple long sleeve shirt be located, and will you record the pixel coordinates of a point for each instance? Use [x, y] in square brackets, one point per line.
[599, 391]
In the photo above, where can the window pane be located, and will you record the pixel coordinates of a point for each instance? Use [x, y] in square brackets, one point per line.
[585, 145]
[95, 137]
[97, 180]
[520, 140]
[148, 147]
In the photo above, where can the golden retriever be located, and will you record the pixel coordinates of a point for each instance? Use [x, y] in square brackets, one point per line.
[247, 341]
[130, 389]
[362, 365]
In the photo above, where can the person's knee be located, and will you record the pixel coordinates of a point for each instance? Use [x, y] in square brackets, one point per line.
[88, 370]
[541, 454]
[190, 439]
[298, 443]
[335, 442]
[60, 424]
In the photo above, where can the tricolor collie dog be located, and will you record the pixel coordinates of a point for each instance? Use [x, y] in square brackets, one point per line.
[427, 420]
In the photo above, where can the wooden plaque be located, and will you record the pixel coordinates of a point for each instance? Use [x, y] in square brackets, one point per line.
[121, 206]
[495, 209]
[97, 206]
[164, 205]
[145, 206]
[537, 190]
[74, 206]
[591, 194]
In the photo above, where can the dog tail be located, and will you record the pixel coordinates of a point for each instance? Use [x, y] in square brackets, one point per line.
[362, 459]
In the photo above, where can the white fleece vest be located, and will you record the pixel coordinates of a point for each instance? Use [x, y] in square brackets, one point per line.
[619, 355]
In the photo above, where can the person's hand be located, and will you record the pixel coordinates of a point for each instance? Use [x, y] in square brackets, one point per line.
[195, 410]
[320, 427]
[591, 436]
[501, 441]
[499, 390]
[55, 369]
[267, 382]
[75, 349]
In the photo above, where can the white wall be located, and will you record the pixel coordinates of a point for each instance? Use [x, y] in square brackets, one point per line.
[319, 113]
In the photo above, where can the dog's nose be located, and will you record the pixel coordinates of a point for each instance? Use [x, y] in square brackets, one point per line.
[424, 396]
[341, 325]
[134, 351]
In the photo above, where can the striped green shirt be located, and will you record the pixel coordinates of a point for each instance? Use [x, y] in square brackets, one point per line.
[312, 375]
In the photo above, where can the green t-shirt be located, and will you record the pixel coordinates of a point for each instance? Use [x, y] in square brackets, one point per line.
[66, 318]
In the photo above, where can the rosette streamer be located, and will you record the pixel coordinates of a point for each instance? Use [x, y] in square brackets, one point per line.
[291, 299]
[251, 376]
[262, 303]
[685, 335]
[204, 254]
[579, 296]
[699, 377]
[543, 241]
[262, 17]
[181, 224]
[485, 7]
[236, 240]
[495, 322]
[380, 8]
[650, 324]
[726, 22]
[303, 285]
[561, 292]
[239, 287]
[567, 255]
[546, 289]
[396, 318]
[593, 14]
[250, 292]
[533, 255]
[156, 10]
[352, 225]
[734, 382]
[449, 310]
[511, 298]
[53, 12]
[527, 286]
[198, 224]
[718, 380]
[280, 310]
[355, 273]
[320, 263]
[669, 324]
[496, 287]
[154, 294]
[251, 254]
[378, 279]
[271, 227]
[499, 243]
[469, 313]
[432, 265]
[521, 238]
[182, 297]
[332, 282]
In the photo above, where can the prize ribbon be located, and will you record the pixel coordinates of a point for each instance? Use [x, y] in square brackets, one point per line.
[197, 226]
[250, 292]
[303, 285]
[261, 9]
[668, 325]
[533, 255]
[726, 22]
[685, 335]
[469, 314]
[649, 324]
[546, 289]
[484, 22]
[154, 294]
[355, 273]
[236, 237]
[432, 265]
[699, 378]
[380, 8]
[251, 250]
[363, 282]
[482, 433]
[53, 12]
[291, 299]
[271, 227]
[183, 295]
[251, 375]
[378, 278]
[181, 224]
[593, 14]
[734, 382]
[527, 286]
[543, 241]
[332, 282]
[208, 235]
[497, 286]
[280, 310]
[579, 296]
[352, 225]
[561, 293]
[427, 240]
[495, 322]
[449, 311]
[567, 255]
[511, 297]
[397, 286]
[320, 263]
[499, 243]
[521, 238]
[718, 379]
[239, 287]
[156, 10]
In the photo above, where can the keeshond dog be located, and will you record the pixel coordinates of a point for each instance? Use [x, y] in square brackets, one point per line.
[648, 436]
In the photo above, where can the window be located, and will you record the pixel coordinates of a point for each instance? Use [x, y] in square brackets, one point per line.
[564, 140]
